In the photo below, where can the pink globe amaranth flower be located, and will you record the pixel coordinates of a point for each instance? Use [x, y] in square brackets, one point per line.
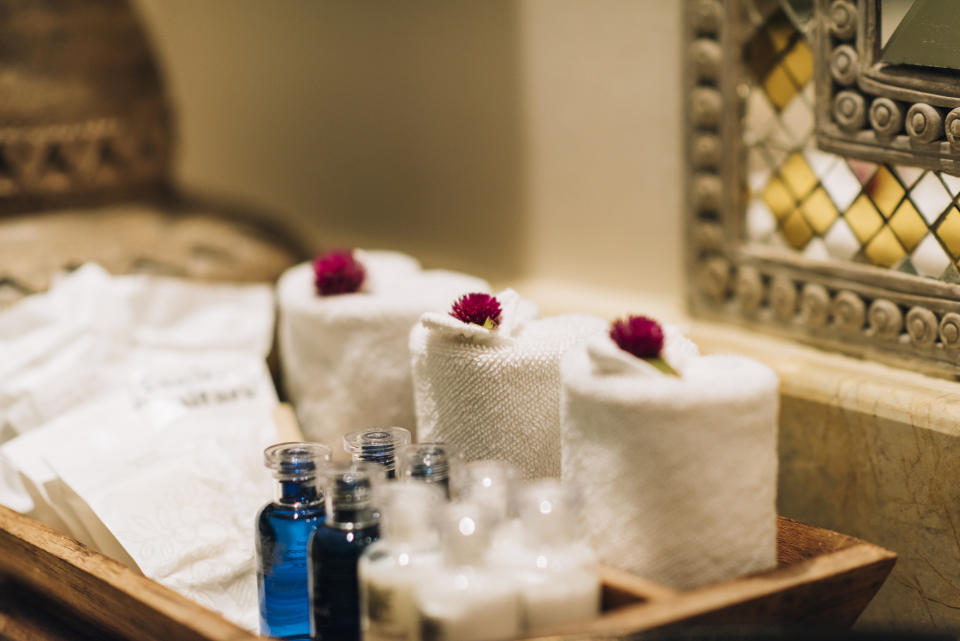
[337, 272]
[639, 335]
[479, 309]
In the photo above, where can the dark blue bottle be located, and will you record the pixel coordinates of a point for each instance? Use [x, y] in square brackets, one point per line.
[283, 534]
[351, 525]
[377, 445]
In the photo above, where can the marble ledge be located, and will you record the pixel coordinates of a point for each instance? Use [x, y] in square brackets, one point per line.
[865, 449]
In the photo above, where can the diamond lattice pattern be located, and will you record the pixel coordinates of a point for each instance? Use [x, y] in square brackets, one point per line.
[824, 206]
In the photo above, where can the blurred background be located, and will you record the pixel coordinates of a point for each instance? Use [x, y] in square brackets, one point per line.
[517, 139]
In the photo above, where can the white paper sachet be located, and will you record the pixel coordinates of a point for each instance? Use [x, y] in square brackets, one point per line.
[680, 472]
[164, 475]
[345, 361]
[495, 393]
[183, 517]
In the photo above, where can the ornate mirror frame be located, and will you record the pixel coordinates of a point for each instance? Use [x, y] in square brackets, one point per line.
[858, 309]
[874, 110]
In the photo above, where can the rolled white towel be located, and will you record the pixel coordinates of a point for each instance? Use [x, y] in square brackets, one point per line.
[344, 357]
[680, 472]
[495, 393]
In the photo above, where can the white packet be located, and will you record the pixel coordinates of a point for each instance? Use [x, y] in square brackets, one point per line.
[164, 475]
[186, 517]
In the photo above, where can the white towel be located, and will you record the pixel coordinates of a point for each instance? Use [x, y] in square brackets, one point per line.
[681, 473]
[61, 348]
[495, 394]
[344, 357]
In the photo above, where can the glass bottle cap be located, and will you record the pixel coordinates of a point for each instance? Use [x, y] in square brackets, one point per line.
[466, 534]
[376, 445]
[490, 485]
[293, 461]
[349, 487]
[427, 462]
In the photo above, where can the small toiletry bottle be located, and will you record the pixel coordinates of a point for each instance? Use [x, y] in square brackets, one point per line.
[393, 567]
[377, 445]
[352, 523]
[283, 533]
[492, 486]
[555, 568]
[466, 599]
[430, 463]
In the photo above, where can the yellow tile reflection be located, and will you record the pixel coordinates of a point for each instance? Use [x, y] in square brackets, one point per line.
[863, 218]
[885, 190]
[778, 198]
[819, 211]
[798, 176]
[796, 230]
[799, 62]
[908, 225]
[949, 232]
[780, 89]
[884, 249]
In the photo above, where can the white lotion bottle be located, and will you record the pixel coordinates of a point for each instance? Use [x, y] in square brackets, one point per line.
[391, 569]
[492, 486]
[555, 570]
[467, 599]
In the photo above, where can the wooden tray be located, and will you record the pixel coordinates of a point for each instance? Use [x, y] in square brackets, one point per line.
[823, 577]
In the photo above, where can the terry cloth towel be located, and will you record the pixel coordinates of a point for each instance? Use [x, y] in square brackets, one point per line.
[681, 472]
[344, 357]
[495, 394]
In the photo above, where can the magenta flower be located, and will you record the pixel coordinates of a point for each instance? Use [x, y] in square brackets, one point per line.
[479, 309]
[337, 272]
[642, 337]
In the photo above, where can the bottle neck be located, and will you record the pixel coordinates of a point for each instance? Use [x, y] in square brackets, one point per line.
[302, 491]
[345, 518]
[387, 460]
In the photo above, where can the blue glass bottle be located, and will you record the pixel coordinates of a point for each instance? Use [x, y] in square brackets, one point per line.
[351, 525]
[377, 445]
[283, 533]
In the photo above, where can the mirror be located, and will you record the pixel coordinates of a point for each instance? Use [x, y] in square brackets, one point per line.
[921, 33]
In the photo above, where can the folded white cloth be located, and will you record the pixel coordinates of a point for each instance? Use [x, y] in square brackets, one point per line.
[344, 357]
[681, 472]
[63, 347]
[495, 394]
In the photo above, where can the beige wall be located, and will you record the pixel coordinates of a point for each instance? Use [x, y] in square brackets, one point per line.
[528, 138]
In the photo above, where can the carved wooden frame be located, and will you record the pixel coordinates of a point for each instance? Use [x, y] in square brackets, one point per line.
[872, 110]
[857, 309]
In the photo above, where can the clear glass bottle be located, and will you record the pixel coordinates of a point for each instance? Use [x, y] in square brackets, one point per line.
[492, 485]
[554, 567]
[352, 523]
[283, 533]
[377, 445]
[431, 463]
[392, 568]
[466, 599]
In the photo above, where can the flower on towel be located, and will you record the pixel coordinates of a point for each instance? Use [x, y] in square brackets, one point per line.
[479, 309]
[337, 272]
[642, 337]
